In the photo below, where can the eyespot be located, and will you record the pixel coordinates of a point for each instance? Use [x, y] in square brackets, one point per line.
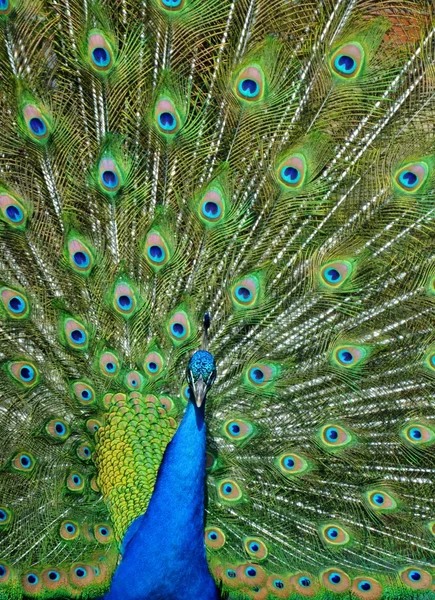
[5, 517]
[76, 335]
[278, 586]
[167, 118]
[93, 425]
[80, 257]
[245, 293]
[418, 435]
[5, 573]
[367, 588]
[179, 328]
[109, 364]
[380, 501]
[24, 372]
[334, 534]
[214, 538]
[69, 530]
[37, 125]
[230, 576]
[12, 211]
[172, 5]
[336, 580]
[238, 430]
[291, 464]
[333, 275]
[186, 393]
[429, 360]
[304, 584]
[58, 430]
[32, 583]
[14, 303]
[124, 300]
[417, 579]
[5, 7]
[153, 364]
[292, 172]
[249, 85]
[84, 393]
[103, 533]
[411, 177]
[261, 375]
[229, 491]
[24, 461]
[84, 451]
[212, 207]
[53, 578]
[334, 436]
[75, 482]
[349, 356]
[134, 380]
[256, 548]
[110, 178]
[81, 575]
[167, 403]
[347, 61]
[251, 574]
[156, 251]
[100, 52]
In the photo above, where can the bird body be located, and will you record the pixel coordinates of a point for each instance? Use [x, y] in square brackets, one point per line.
[217, 287]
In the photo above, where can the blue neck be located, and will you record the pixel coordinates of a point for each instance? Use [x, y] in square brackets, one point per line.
[163, 550]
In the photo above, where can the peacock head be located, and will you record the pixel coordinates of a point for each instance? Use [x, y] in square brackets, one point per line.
[200, 373]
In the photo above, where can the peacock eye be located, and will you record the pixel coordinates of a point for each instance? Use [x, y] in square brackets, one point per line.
[411, 177]
[347, 61]
[345, 64]
[250, 84]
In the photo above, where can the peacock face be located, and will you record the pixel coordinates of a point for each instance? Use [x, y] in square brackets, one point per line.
[201, 373]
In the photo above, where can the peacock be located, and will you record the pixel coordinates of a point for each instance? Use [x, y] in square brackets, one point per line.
[217, 299]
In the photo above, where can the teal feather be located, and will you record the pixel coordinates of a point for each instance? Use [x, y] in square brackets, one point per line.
[270, 164]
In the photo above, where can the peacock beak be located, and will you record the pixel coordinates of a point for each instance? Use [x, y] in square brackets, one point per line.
[200, 390]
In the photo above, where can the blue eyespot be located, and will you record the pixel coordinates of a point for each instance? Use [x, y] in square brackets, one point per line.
[332, 275]
[32, 579]
[25, 461]
[3, 515]
[2, 571]
[234, 428]
[167, 121]
[345, 64]
[85, 394]
[415, 433]
[60, 428]
[77, 479]
[257, 375]
[86, 451]
[332, 533]
[171, 3]
[78, 336]
[254, 547]
[54, 575]
[212, 210]
[16, 304]
[110, 179]
[291, 175]
[27, 373]
[332, 434]
[4, 5]
[124, 302]
[103, 531]
[249, 88]
[37, 126]
[364, 586]
[152, 366]
[243, 294]
[334, 578]
[110, 367]
[81, 572]
[212, 535]
[345, 357]
[278, 584]
[228, 488]
[305, 581]
[251, 572]
[408, 179]
[178, 330]
[156, 253]
[378, 499]
[415, 575]
[100, 57]
[81, 259]
[289, 462]
[70, 528]
[14, 213]
[97, 571]
[231, 574]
